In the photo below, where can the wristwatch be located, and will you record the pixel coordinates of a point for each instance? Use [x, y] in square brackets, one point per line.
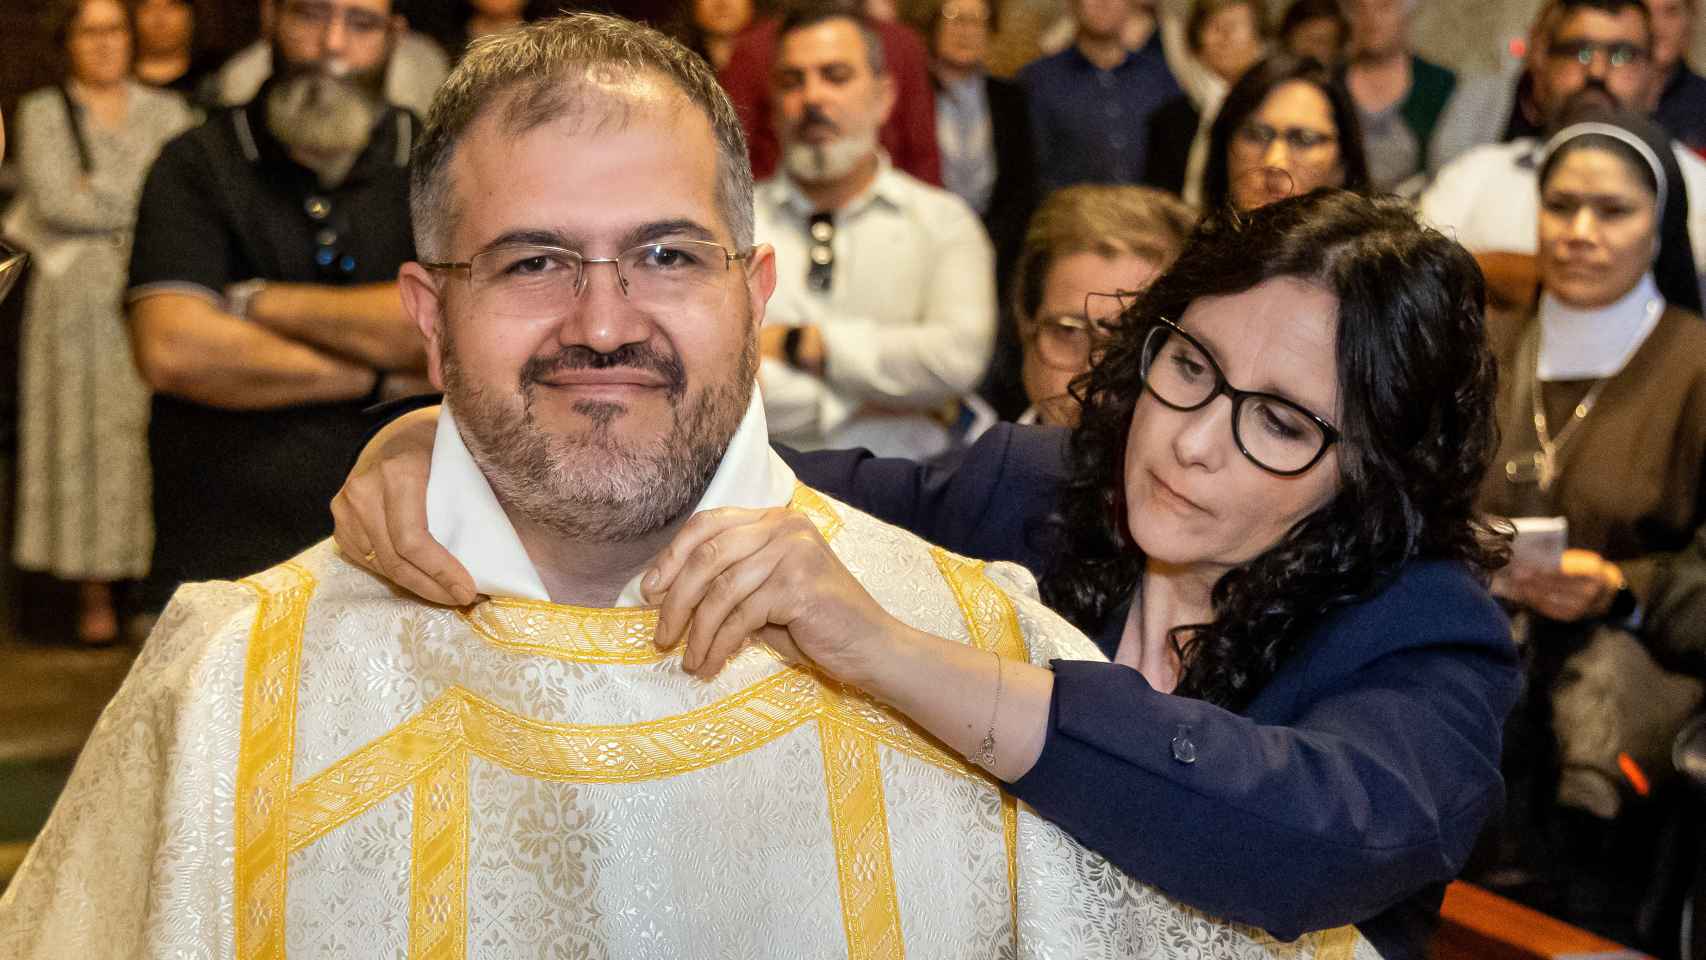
[1623, 604]
[791, 346]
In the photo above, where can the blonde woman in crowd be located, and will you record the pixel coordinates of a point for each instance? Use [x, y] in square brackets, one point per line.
[84, 147]
[1086, 246]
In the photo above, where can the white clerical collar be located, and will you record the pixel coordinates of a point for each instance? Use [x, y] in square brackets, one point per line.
[1577, 344]
[464, 514]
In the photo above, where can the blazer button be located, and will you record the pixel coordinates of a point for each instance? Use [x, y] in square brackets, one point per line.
[1184, 750]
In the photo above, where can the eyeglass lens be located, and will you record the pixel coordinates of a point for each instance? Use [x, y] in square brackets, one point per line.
[1585, 52]
[1068, 341]
[523, 281]
[1296, 138]
[821, 274]
[317, 13]
[1276, 434]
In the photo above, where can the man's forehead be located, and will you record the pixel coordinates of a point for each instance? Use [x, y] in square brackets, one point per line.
[1625, 24]
[533, 148]
[835, 40]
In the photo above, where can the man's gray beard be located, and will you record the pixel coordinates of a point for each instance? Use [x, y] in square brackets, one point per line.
[594, 488]
[818, 162]
[324, 119]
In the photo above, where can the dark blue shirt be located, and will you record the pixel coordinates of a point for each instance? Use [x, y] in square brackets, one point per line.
[1091, 125]
[1682, 108]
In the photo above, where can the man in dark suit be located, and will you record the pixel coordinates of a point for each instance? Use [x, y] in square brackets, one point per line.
[982, 127]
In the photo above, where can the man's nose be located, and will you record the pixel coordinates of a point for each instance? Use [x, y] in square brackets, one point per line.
[813, 90]
[601, 317]
[334, 38]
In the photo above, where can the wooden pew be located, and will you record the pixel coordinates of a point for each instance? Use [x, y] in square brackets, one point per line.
[1478, 925]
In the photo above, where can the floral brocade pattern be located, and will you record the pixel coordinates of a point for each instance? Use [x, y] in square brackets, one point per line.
[461, 783]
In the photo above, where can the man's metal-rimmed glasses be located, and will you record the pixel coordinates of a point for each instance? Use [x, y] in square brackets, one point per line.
[1276, 434]
[319, 14]
[1069, 341]
[1585, 52]
[12, 262]
[534, 281]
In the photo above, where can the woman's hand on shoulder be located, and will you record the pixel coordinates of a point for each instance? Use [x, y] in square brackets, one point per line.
[380, 514]
[733, 574]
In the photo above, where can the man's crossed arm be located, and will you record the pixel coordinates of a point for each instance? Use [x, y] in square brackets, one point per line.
[298, 344]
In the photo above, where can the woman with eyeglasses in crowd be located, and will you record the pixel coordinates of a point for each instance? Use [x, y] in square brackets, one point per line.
[1263, 518]
[1285, 128]
[84, 147]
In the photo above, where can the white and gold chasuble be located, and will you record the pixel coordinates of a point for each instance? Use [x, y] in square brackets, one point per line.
[309, 764]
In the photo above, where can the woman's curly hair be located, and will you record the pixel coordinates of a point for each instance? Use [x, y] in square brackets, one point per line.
[1417, 385]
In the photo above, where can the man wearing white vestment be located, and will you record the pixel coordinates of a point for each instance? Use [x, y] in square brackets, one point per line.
[309, 764]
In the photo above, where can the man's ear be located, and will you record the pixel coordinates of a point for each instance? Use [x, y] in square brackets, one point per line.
[760, 280]
[424, 304]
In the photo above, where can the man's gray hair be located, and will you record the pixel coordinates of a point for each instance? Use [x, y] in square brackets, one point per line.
[548, 70]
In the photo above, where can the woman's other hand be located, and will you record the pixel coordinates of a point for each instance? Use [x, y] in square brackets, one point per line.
[380, 514]
[732, 573]
[1581, 588]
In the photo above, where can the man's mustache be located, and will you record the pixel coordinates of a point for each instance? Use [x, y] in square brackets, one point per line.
[637, 356]
[815, 117]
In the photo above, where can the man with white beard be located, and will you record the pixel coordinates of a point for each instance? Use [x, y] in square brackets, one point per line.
[884, 313]
[263, 302]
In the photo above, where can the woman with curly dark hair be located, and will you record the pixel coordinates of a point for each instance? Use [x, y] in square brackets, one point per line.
[1264, 520]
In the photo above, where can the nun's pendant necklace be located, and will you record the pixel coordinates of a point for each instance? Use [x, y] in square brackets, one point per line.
[1543, 465]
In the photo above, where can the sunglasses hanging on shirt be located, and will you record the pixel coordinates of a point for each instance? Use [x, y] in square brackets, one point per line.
[821, 275]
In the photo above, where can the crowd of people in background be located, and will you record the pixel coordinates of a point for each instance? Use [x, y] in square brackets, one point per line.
[212, 301]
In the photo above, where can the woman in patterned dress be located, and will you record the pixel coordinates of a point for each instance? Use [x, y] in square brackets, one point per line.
[84, 147]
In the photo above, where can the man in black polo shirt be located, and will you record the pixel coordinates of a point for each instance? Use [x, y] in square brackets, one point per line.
[263, 301]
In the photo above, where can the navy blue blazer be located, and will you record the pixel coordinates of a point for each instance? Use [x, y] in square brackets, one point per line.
[1351, 790]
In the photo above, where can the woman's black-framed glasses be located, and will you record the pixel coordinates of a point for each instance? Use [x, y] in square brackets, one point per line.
[1274, 433]
[12, 262]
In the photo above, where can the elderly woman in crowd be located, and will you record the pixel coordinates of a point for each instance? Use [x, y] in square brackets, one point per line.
[1286, 127]
[1264, 518]
[1088, 248]
[84, 147]
[1602, 410]
[1086, 245]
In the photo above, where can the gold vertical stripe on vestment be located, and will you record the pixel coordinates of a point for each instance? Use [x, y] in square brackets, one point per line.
[438, 864]
[858, 820]
[1339, 943]
[265, 753]
[993, 625]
